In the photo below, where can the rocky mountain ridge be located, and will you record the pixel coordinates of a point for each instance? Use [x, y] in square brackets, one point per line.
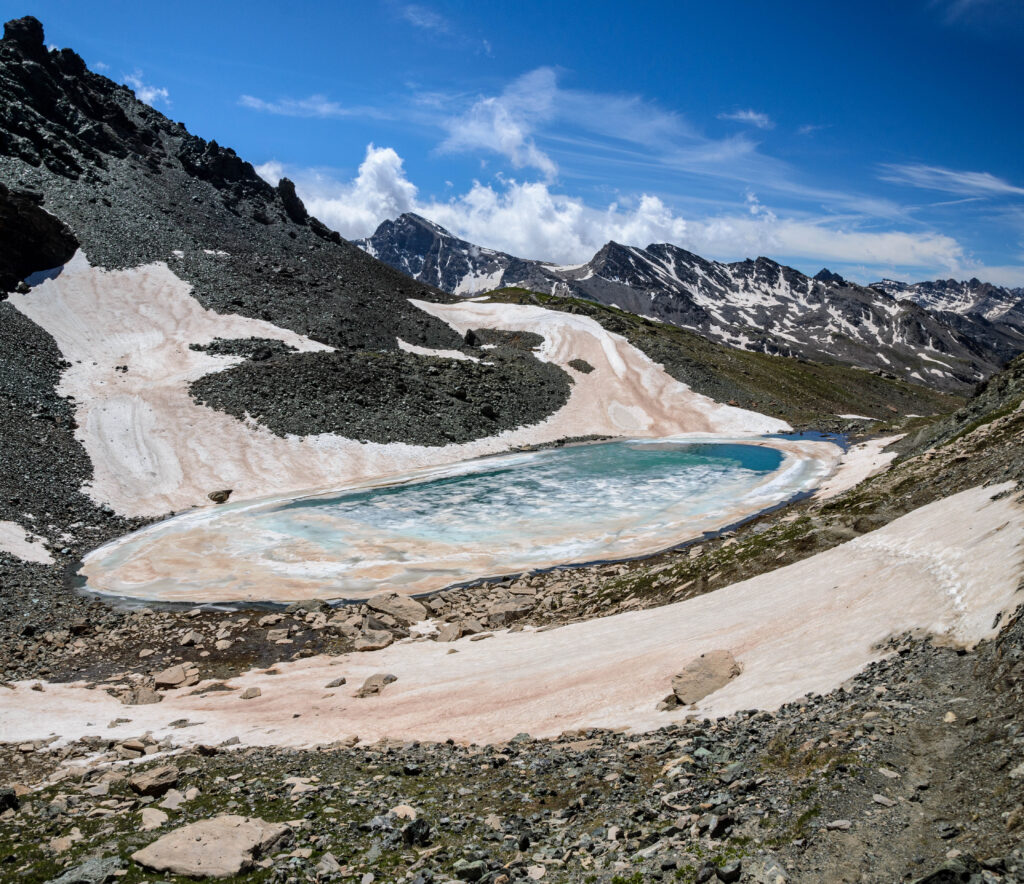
[756, 305]
[972, 297]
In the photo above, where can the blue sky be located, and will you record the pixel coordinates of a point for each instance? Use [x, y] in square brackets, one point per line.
[875, 138]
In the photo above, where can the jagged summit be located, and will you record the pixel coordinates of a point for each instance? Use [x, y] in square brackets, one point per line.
[756, 304]
[827, 276]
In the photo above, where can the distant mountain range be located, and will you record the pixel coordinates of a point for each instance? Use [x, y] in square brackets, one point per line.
[968, 298]
[929, 333]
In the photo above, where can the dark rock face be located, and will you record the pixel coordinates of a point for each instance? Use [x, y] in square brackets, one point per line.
[395, 397]
[30, 238]
[756, 305]
[27, 32]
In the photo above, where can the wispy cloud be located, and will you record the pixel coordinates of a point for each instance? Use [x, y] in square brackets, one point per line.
[811, 128]
[425, 19]
[504, 123]
[949, 180]
[1000, 19]
[313, 106]
[750, 117]
[144, 91]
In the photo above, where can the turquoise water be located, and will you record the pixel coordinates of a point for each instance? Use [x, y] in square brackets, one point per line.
[560, 486]
[482, 518]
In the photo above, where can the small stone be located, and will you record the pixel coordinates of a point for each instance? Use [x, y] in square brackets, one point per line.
[949, 717]
[337, 682]
[730, 872]
[839, 826]
[250, 693]
[404, 812]
[220, 496]
[328, 865]
[884, 800]
[190, 638]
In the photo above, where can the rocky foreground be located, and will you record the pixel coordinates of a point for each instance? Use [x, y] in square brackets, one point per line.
[910, 771]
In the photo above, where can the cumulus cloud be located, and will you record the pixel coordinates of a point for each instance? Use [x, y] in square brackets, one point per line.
[380, 190]
[530, 219]
[751, 117]
[145, 92]
[949, 180]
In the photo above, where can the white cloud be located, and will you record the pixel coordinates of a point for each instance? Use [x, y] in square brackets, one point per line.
[504, 123]
[380, 190]
[949, 180]
[751, 117]
[425, 19]
[531, 220]
[144, 92]
[313, 106]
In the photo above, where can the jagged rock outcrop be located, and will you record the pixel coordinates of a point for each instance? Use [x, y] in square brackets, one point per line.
[30, 238]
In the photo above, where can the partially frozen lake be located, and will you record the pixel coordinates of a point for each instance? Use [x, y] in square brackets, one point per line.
[482, 518]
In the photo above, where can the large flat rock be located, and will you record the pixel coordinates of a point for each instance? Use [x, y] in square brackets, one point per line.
[215, 848]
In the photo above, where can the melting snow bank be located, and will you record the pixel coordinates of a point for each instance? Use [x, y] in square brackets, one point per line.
[23, 544]
[155, 450]
[950, 568]
[857, 464]
[429, 529]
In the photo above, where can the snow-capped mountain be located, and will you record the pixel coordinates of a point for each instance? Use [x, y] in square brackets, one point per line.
[968, 298]
[754, 304]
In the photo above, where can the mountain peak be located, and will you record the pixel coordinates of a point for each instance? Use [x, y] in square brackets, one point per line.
[26, 33]
[827, 276]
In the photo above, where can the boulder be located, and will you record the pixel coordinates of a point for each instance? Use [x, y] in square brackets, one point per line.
[152, 818]
[375, 684]
[177, 676]
[373, 640]
[449, 632]
[704, 675]
[402, 608]
[215, 848]
[140, 695]
[154, 781]
[93, 871]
